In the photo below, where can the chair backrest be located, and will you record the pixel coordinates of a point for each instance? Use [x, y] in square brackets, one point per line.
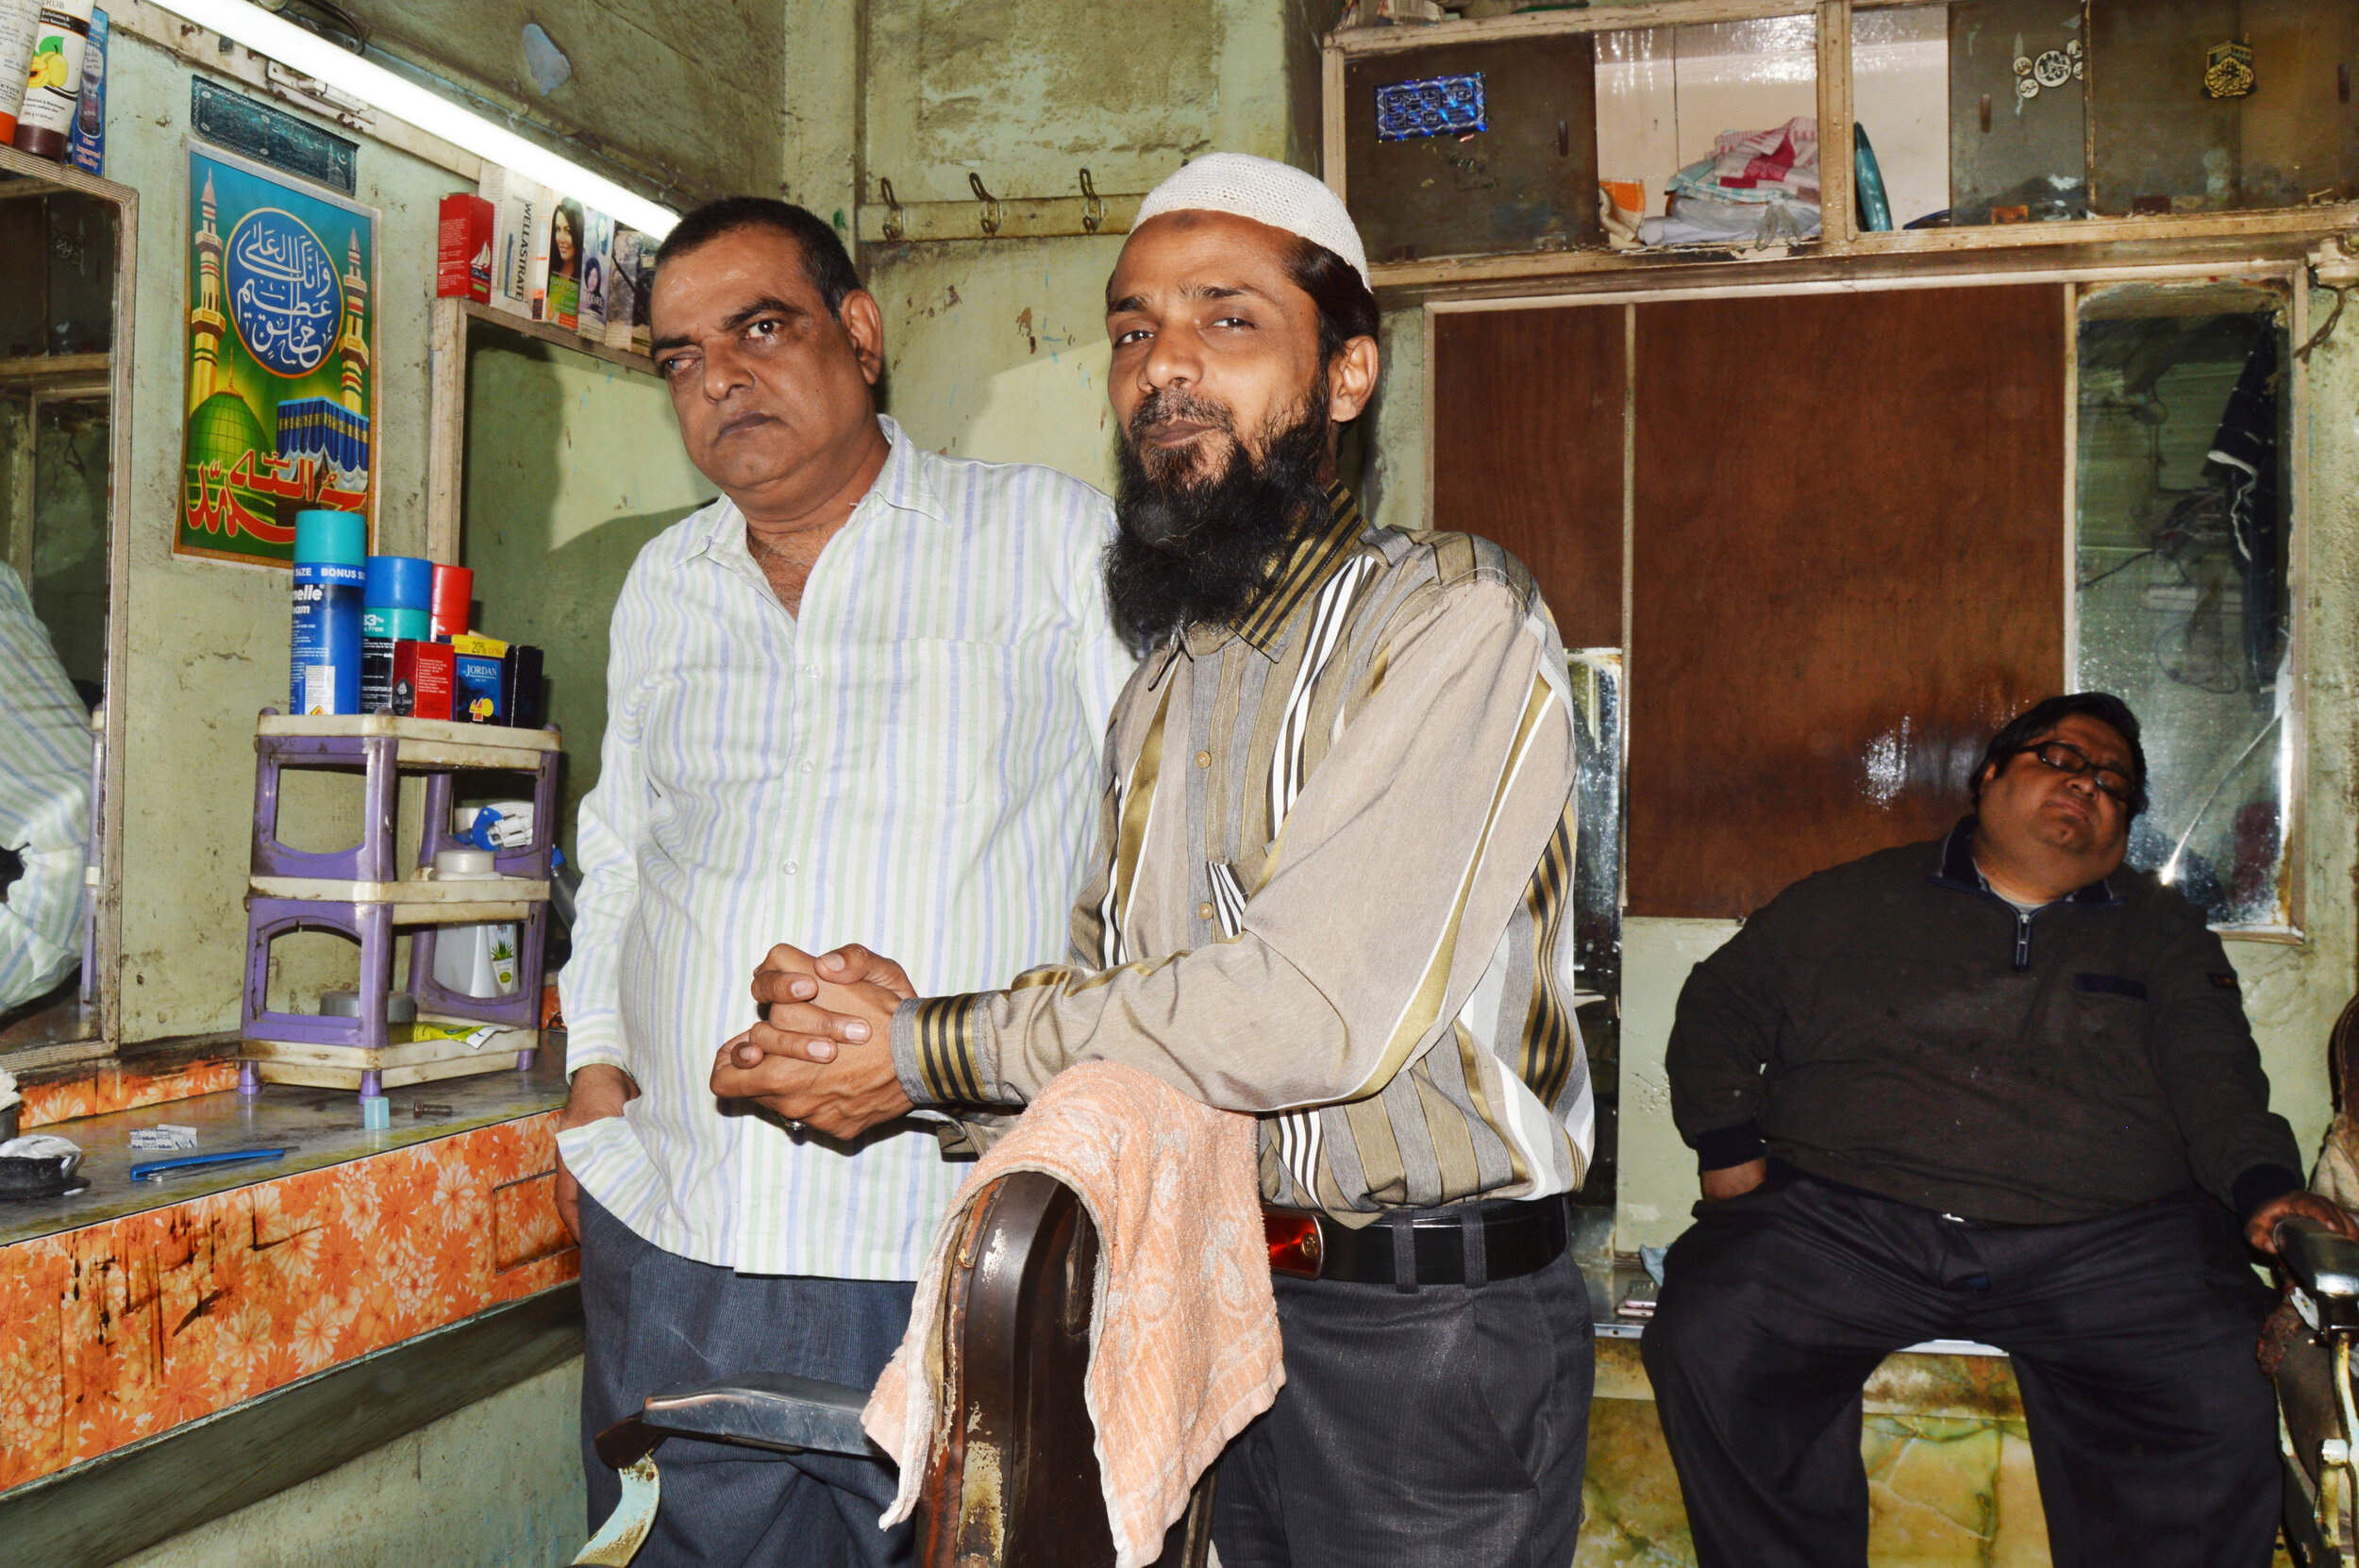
[1015, 1482]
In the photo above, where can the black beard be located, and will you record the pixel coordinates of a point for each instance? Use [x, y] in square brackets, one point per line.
[1199, 551]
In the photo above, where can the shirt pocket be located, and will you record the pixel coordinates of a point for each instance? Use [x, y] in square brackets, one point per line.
[941, 704]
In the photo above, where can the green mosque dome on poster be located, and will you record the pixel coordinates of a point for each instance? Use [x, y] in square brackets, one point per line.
[221, 431]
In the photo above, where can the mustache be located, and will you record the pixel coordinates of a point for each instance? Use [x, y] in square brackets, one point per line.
[1166, 404]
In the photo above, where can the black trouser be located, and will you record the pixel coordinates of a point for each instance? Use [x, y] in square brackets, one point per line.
[1435, 1428]
[2152, 1430]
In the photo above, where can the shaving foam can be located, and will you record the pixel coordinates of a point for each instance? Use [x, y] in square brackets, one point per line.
[330, 579]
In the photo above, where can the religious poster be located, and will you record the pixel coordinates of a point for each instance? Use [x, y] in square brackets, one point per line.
[281, 355]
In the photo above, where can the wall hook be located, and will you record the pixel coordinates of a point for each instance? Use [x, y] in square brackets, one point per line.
[896, 222]
[1093, 209]
[991, 203]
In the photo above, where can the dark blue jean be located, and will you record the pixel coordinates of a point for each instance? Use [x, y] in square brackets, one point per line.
[656, 1321]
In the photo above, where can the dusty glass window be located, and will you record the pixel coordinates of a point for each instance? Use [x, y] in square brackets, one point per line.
[2183, 600]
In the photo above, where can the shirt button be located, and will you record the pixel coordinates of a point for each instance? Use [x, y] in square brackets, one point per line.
[809, 764]
[1203, 911]
[790, 868]
[1203, 758]
[812, 670]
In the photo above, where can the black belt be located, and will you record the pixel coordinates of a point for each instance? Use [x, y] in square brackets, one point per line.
[1464, 1244]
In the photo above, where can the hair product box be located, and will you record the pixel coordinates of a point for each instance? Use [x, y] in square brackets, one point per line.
[462, 253]
[18, 18]
[623, 299]
[422, 679]
[522, 211]
[86, 143]
[597, 267]
[521, 702]
[475, 691]
[557, 271]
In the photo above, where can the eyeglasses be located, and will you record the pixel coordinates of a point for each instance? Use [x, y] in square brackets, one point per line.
[2068, 759]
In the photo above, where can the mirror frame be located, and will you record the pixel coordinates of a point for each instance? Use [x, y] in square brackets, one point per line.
[107, 897]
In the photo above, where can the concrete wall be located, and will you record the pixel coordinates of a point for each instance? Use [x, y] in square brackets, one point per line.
[572, 464]
[208, 641]
[997, 349]
[688, 90]
[496, 1485]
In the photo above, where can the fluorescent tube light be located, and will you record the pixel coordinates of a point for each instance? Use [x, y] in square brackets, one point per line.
[299, 50]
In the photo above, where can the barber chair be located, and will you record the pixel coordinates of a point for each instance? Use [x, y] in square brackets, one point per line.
[2317, 1423]
[1013, 1480]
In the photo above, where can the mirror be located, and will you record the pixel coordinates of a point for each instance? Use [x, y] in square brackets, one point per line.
[62, 240]
[2183, 600]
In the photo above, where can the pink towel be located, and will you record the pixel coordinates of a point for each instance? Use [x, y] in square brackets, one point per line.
[1183, 1347]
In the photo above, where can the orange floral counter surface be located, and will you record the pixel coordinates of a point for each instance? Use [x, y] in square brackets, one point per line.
[118, 1330]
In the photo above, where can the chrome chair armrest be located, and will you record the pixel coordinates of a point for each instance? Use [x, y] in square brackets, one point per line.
[2325, 1268]
[776, 1411]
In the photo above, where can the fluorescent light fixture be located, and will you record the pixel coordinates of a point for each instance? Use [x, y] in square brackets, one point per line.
[299, 50]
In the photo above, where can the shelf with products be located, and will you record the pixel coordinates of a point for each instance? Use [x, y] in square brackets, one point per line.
[1558, 146]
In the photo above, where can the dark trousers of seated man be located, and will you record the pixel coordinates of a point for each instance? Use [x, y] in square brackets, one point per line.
[2153, 1432]
[654, 1321]
[1438, 1427]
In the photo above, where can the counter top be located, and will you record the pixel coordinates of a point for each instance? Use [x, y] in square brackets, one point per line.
[322, 1126]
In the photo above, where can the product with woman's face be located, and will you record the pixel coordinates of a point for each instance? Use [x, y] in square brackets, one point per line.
[564, 241]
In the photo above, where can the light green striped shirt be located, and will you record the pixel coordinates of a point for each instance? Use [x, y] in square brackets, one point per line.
[911, 762]
[44, 802]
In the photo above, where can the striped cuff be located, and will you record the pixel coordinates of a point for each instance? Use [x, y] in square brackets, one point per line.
[597, 1044]
[933, 1050]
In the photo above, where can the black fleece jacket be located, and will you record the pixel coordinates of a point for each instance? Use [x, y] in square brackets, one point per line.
[1894, 1025]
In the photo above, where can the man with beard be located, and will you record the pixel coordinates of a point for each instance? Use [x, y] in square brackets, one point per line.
[1334, 854]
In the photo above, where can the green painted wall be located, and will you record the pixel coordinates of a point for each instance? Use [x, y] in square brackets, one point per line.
[572, 465]
[208, 640]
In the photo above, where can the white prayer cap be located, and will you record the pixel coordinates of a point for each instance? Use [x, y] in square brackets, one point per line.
[1277, 195]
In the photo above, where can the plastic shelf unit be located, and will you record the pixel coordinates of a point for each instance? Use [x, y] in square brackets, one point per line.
[359, 893]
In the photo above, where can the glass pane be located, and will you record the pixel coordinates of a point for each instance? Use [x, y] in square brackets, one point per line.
[1597, 897]
[2184, 533]
[2208, 106]
[56, 446]
[2049, 109]
[1708, 134]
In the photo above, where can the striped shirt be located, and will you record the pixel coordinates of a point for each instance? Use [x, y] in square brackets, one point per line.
[910, 761]
[44, 802]
[1332, 888]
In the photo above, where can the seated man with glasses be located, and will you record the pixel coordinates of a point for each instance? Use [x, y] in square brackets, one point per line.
[1998, 1087]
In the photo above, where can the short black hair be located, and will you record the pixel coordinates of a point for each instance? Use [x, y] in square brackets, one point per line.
[825, 259]
[1346, 307]
[2041, 719]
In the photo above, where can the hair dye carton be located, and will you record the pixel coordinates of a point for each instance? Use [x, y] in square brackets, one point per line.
[597, 267]
[462, 255]
[475, 679]
[422, 679]
[522, 212]
[623, 299]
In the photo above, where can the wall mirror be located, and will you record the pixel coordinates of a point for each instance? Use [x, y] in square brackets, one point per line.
[2184, 595]
[67, 243]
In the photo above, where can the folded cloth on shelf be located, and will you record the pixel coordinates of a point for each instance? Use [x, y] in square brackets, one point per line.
[1754, 166]
[1184, 1347]
[1700, 220]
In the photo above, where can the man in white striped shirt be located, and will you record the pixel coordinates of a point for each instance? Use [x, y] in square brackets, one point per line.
[865, 692]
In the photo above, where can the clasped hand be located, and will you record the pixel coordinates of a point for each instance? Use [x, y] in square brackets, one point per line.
[823, 1054]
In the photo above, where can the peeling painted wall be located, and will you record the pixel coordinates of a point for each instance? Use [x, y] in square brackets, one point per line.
[208, 641]
[996, 349]
[687, 87]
